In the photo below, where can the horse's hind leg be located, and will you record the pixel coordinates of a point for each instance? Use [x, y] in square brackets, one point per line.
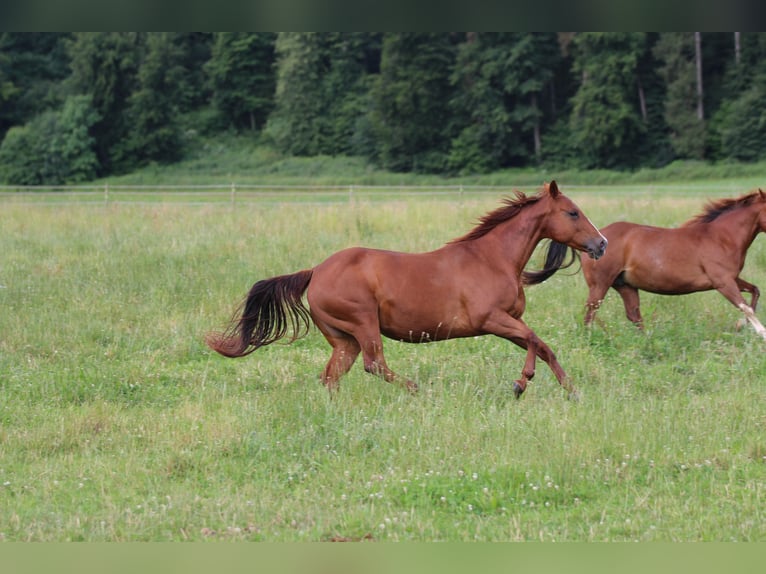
[345, 350]
[750, 316]
[366, 331]
[630, 300]
[356, 330]
[755, 294]
[746, 287]
[732, 292]
[375, 362]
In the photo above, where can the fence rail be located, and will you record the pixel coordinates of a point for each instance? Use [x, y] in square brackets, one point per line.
[243, 192]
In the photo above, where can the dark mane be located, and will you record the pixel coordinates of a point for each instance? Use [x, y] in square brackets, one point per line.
[510, 208]
[715, 209]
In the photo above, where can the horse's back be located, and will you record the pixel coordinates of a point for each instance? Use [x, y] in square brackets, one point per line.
[626, 238]
[622, 230]
[358, 272]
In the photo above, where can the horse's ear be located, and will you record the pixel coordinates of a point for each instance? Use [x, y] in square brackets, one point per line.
[553, 189]
[761, 193]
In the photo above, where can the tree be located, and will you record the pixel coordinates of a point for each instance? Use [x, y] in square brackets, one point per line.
[676, 51]
[499, 81]
[194, 90]
[20, 155]
[322, 87]
[105, 67]
[741, 120]
[152, 109]
[411, 115]
[345, 90]
[54, 148]
[8, 91]
[606, 119]
[241, 77]
[31, 67]
[295, 124]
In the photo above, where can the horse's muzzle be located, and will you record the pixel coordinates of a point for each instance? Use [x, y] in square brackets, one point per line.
[597, 247]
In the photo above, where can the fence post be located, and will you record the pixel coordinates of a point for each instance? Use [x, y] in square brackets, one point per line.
[233, 190]
[106, 193]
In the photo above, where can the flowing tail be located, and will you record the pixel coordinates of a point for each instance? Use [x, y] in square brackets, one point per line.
[271, 307]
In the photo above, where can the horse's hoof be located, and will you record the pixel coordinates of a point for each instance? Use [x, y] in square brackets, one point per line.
[412, 388]
[573, 396]
[517, 390]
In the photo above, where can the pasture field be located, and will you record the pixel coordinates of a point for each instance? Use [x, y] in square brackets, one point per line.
[118, 424]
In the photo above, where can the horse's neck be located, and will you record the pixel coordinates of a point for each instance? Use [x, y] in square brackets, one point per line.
[515, 240]
[740, 225]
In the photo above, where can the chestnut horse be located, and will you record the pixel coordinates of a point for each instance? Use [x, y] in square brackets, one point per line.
[707, 252]
[471, 286]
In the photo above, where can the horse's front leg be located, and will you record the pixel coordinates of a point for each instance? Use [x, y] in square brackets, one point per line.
[515, 330]
[528, 372]
[546, 354]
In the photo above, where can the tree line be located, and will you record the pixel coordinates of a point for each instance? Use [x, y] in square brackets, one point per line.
[77, 106]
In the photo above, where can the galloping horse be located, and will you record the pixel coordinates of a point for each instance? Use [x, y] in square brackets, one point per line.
[471, 286]
[707, 252]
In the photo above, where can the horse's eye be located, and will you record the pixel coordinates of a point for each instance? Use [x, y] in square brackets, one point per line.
[574, 214]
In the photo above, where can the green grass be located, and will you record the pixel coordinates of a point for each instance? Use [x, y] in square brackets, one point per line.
[117, 423]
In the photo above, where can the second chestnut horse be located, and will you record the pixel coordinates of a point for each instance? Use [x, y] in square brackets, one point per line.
[471, 286]
[707, 252]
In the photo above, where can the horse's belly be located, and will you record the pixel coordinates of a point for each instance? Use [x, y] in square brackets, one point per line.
[412, 329]
[668, 281]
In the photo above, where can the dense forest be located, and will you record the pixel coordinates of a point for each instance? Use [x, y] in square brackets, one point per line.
[78, 106]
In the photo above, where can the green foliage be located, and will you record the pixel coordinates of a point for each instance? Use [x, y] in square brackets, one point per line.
[32, 66]
[499, 80]
[739, 124]
[241, 77]
[19, 156]
[676, 51]
[479, 103]
[152, 110]
[105, 67]
[439, 103]
[54, 148]
[410, 98]
[321, 94]
[345, 89]
[606, 124]
[742, 125]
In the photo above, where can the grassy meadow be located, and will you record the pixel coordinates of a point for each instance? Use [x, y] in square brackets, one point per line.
[118, 424]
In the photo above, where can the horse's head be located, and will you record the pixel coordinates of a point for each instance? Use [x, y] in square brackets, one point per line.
[566, 223]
